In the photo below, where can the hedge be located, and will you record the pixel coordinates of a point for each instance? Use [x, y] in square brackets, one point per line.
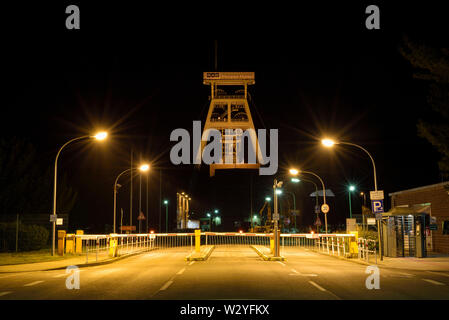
[31, 237]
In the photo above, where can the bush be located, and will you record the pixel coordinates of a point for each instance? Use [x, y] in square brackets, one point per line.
[31, 237]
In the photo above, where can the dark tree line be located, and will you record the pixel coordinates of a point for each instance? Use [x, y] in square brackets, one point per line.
[432, 66]
[26, 181]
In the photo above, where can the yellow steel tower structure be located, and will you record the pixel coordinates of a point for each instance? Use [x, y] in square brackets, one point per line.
[229, 113]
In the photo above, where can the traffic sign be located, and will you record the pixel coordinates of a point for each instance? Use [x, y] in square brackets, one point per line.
[53, 217]
[377, 206]
[59, 222]
[317, 222]
[141, 216]
[377, 195]
[317, 209]
[276, 216]
[128, 228]
[295, 212]
[325, 208]
[371, 221]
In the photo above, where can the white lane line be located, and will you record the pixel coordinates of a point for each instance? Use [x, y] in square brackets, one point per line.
[434, 282]
[32, 283]
[166, 285]
[294, 271]
[181, 271]
[191, 263]
[317, 286]
[4, 293]
[283, 264]
[60, 275]
[438, 273]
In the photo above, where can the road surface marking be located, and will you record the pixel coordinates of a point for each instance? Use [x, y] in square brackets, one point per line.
[434, 282]
[294, 271]
[60, 275]
[181, 271]
[317, 286]
[438, 273]
[191, 263]
[309, 275]
[166, 285]
[32, 283]
[283, 264]
[4, 293]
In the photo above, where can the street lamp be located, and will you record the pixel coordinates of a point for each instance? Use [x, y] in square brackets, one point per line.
[351, 189]
[166, 215]
[100, 136]
[142, 168]
[295, 172]
[330, 143]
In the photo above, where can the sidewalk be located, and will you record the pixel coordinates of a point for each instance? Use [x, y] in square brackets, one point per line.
[79, 261]
[434, 262]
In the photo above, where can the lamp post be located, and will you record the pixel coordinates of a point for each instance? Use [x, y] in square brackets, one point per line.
[277, 184]
[317, 205]
[210, 221]
[100, 136]
[350, 189]
[330, 143]
[166, 215]
[294, 203]
[296, 172]
[142, 168]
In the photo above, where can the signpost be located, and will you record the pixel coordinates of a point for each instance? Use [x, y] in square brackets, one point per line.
[377, 205]
[325, 208]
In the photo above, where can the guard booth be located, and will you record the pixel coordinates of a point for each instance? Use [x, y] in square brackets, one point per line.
[404, 232]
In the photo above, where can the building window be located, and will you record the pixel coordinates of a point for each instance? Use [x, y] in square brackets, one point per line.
[446, 227]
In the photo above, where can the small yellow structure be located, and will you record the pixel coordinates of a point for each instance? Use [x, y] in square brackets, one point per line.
[61, 242]
[198, 241]
[113, 242]
[79, 242]
[353, 246]
[70, 243]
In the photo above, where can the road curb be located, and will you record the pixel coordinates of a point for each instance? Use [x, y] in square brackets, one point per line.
[267, 258]
[201, 258]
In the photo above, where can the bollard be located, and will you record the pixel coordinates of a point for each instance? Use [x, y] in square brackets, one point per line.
[79, 242]
[198, 241]
[113, 246]
[69, 243]
[61, 242]
[272, 245]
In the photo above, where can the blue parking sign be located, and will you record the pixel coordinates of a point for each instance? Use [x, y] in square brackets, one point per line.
[377, 206]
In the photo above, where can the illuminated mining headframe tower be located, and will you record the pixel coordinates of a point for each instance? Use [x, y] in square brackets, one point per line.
[229, 113]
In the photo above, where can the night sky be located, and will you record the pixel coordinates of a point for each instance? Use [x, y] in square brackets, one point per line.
[137, 72]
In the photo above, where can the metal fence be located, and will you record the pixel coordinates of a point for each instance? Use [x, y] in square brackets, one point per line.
[98, 247]
[367, 248]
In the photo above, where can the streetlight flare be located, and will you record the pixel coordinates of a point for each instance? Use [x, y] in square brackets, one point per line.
[144, 167]
[294, 172]
[101, 135]
[328, 143]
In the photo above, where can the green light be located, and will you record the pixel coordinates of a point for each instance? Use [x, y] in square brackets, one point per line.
[278, 191]
[268, 199]
[208, 215]
[295, 180]
[165, 201]
[351, 188]
[216, 211]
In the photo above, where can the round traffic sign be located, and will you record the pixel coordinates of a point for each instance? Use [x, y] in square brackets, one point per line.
[325, 208]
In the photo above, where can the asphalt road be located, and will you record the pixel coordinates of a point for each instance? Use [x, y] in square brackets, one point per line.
[229, 273]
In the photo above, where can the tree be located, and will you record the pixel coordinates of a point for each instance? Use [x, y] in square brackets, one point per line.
[26, 183]
[433, 67]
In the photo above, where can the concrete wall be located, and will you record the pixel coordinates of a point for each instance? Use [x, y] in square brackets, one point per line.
[437, 195]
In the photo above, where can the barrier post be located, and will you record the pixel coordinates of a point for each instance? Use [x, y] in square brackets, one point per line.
[69, 243]
[198, 241]
[61, 242]
[79, 242]
[113, 246]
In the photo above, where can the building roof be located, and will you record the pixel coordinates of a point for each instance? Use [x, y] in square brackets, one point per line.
[441, 184]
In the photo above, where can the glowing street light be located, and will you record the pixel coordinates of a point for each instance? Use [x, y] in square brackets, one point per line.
[268, 199]
[295, 172]
[296, 180]
[328, 143]
[99, 136]
[166, 215]
[142, 168]
[351, 189]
